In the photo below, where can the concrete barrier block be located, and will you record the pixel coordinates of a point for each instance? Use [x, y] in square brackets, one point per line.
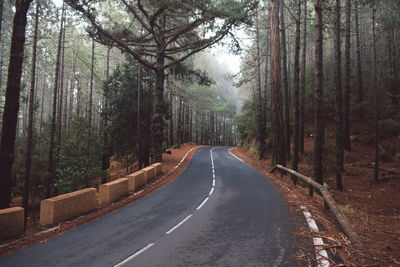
[11, 222]
[113, 191]
[158, 168]
[66, 206]
[136, 180]
[149, 173]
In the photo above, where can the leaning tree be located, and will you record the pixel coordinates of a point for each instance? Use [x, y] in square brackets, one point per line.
[160, 34]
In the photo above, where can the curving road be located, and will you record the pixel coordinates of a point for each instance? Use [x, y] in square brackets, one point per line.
[218, 212]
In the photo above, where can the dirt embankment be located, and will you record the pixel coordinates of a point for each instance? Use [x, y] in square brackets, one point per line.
[373, 208]
[38, 234]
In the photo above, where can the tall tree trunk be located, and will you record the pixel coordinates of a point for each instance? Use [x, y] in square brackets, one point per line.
[303, 81]
[375, 86]
[42, 104]
[179, 124]
[51, 166]
[106, 157]
[260, 135]
[91, 88]
[29, 142]
[1, 48]
[212, 131]
[391, 56]
[296, 92]
[318, 96]
[339, 108]
[158, 107]
[190, 123]
[266, 71]
[171, 121]
[60, 100]
[9, 123]
[139, 128]
[285, 81]
[279, 151]
[347, 71]
[360, 97]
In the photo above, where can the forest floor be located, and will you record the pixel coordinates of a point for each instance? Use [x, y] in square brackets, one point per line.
[37, 234]
[373, 208]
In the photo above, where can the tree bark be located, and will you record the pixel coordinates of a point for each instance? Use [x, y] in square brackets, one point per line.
[91, 89]
[266, 87]
[296, 136]
[303, 81]
[51, 166]
[158, 107]
[9, 123]
[347, 72]
[106, 155]
[360, 97]
[1, 48]
[60, 99]
[339, 108]
[279, 151]
[318, 96]
[285, 81]
[29, 142]
[375, 87]
[139, 127]
[260, 135]
[212, 131]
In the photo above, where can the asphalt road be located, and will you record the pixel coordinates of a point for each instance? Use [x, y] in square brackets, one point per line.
[236, 219]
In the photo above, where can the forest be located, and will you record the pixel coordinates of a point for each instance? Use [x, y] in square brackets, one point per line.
[85, 85]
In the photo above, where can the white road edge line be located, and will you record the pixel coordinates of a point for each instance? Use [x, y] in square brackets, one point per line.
[202, 203]
[179, 224]
[234, 155]
[211, 191]
[321, 253]
[134, 255]
[184, 157]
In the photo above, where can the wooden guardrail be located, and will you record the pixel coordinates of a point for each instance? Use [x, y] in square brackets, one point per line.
[329, 201]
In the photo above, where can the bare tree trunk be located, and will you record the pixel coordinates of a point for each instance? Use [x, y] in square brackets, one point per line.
[347, 71]
[391, 56]
[260, 135]
[375, 86]
[358, 56]
[296, 93]
[339, 109]
[212, 131]
[318, 96]
[51, 165]
[91, 89]
[279, 151]
[139, 128]
[190, 123]
[29, 142]
[9, 123]
[266, 71]
[179, 124]
[285, 81]
[106, 157]
[42, 104]
[171, 121]
[60, 100]
[303, 81]
[1, 48]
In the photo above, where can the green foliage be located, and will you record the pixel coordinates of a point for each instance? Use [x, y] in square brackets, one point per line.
[80, 159]
[246, 120]
[121, 90]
